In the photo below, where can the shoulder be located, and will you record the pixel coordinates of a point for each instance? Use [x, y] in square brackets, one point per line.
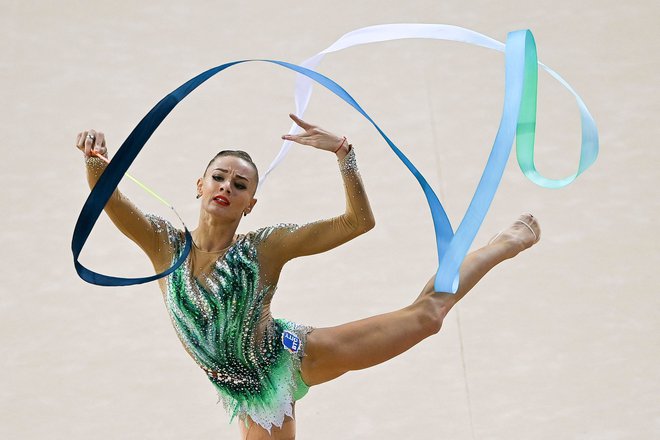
[166, 231]
[274, 231]
[161, 225]
[270, 238]
[270, 243]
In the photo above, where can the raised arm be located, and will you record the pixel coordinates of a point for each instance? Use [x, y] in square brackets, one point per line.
[146, 233]
[287, 243]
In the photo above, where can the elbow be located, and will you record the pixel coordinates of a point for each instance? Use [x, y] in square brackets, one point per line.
[370, 223]
[356, 225]
[366, 224]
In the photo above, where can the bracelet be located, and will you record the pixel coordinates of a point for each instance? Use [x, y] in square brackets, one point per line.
[341, 145]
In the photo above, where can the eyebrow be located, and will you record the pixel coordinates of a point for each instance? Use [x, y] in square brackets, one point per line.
[237, 175]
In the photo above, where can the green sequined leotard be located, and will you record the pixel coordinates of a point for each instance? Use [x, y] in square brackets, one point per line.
[220, 320]
[219, 302]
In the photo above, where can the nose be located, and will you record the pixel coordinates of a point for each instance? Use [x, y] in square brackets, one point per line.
[226, 186]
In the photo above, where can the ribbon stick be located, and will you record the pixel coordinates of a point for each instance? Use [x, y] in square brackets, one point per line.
[143, 186]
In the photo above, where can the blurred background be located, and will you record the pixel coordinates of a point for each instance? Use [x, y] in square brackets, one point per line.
[560, 343]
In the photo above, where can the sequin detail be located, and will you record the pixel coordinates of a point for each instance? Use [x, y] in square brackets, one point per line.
[95, 164]
[217, 317]
[348, 164]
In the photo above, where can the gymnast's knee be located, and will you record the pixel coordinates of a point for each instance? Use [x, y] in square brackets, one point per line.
[430, 313]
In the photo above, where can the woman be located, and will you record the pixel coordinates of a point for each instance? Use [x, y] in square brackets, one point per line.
[219, 299]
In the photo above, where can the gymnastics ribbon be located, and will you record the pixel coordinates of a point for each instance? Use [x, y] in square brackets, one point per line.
[400, 31]
[452, 248]
[520, 55]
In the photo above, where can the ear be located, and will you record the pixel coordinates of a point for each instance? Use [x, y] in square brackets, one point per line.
[200, 181]
[251, 205]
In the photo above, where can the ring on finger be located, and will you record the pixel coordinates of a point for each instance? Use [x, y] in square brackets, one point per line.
[91, 136]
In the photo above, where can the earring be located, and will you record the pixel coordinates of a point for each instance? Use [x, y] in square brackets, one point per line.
[198, 196]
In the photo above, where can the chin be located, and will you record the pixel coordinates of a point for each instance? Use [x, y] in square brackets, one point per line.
[223, 213]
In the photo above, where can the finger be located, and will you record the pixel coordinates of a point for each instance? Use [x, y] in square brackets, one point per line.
[302, 124]
[297, 139]
[99, 145]
[89, 142]
[78, 141]
[81, 140]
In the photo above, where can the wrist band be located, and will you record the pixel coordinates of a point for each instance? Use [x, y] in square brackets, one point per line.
[341, 145]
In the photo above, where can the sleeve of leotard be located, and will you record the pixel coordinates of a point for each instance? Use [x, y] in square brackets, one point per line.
[151, 233]
[290, 241]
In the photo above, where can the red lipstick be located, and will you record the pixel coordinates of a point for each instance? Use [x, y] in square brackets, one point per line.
[221, 200]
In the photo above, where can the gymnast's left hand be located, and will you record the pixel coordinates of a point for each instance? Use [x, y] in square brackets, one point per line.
[317, 137]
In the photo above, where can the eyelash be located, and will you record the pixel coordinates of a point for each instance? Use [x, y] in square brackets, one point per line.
[221, 178]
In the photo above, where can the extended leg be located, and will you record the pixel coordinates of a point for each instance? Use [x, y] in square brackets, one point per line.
[331, 352]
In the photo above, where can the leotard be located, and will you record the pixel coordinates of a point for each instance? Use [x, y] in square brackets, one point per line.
[219, 303]
[223, 321]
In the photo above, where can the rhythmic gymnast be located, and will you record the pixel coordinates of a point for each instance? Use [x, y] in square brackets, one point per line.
[219, 299]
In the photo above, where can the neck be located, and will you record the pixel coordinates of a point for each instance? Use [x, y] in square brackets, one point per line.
[213, 234]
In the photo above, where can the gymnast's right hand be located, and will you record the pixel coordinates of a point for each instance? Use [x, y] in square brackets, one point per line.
[92, 143]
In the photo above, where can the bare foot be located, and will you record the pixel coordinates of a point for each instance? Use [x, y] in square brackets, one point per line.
[522, 234]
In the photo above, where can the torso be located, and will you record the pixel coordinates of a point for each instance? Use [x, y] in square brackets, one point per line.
[219, 304]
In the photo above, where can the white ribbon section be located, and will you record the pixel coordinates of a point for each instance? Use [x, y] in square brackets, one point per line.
[389, 32]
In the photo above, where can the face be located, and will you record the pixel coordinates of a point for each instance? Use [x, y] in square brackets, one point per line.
[227, 189]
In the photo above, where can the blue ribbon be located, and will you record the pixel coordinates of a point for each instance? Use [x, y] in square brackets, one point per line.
[520, 54]
[521, 71]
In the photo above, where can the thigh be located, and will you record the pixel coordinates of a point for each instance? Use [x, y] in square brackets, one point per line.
[331, 352]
